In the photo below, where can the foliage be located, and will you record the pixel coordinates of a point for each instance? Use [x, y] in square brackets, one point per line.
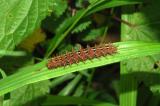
[144, 27]
[20, 20]
[31, 31]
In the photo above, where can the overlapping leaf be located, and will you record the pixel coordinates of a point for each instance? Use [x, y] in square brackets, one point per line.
[19, 18]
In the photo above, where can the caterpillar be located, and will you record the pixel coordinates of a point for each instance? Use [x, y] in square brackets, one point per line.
[81, 55]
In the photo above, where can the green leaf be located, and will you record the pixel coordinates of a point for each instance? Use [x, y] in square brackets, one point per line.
[141, 64]
[92, 1]
[39, 72]
[144, 27]
[81, 27]
[59, 7]
[12, 53]
[149, 80]
[6, 103]
[19, 18]
[61, 79]
[103, 4]
[67, 100]
[1, 100]
[79, 90]
[70, 86]
[93, 34]
[127, 98]
[2, 73]
[30, 95]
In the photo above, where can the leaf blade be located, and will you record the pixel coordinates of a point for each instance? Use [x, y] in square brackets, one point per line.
[39, 72]
[19, 18]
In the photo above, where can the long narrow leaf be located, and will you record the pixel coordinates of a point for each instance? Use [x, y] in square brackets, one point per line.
[39, 72]
[64, 100]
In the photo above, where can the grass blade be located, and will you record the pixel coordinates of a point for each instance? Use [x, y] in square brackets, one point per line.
[39, 72]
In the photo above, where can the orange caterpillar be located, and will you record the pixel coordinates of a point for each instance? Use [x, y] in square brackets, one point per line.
[81, 55]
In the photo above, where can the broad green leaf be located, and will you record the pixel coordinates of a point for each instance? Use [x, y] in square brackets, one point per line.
[39, 72]
[30, 95]
[19, 18]
[144, 27]
[141, 64]
[52, 22]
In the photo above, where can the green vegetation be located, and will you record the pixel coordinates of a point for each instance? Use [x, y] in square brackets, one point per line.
[33, 31]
